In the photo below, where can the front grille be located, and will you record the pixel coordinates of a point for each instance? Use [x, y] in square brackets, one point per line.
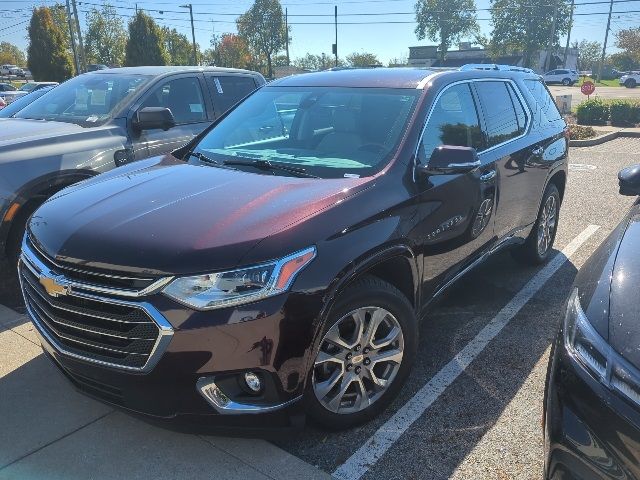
[104, 330]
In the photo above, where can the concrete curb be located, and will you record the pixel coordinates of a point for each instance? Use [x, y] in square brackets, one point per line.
[622, 133]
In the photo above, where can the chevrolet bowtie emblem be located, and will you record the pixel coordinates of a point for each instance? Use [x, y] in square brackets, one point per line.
[54, 287]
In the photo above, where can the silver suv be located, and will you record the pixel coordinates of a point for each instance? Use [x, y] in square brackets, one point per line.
[630, 80]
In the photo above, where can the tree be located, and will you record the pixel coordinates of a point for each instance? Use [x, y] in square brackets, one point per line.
[445, 21]
[145, 45]
[9, 53]
[59, 13]
[48, 58]
[229, 50]
[264, 30]
[362, 59]
[178, 46]
[524, 26]
[628, 40]
[589, 53]
[623, 62]
[106, 37]
[317, 62]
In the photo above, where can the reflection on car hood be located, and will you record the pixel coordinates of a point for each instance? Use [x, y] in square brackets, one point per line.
[175, 218]
[21, 130]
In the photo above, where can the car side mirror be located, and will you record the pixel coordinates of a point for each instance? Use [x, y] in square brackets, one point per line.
[149, 118]
[629, 181]
[450, 159]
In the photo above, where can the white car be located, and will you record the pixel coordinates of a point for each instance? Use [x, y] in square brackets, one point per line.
[564, 76]
[630, 80]
[9, 69]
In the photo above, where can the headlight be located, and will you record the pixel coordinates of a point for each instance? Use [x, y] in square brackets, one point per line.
[583, 343]
[224, 289]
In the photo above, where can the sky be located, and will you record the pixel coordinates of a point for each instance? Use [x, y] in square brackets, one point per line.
[312, 22]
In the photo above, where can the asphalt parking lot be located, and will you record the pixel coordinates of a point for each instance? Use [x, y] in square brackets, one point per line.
[471, 408]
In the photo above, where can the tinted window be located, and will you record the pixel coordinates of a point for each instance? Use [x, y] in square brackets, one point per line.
[229, 90]
[453, 121]
[183, 96]
[545, 109]
[499, 113]
[520, 111]
[330, 132]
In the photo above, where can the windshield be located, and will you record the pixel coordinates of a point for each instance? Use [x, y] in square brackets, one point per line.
[329, 132]
[87, 100]
[27, 87]
[21, 102]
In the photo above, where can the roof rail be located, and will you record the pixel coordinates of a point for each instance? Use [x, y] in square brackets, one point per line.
[494, 66]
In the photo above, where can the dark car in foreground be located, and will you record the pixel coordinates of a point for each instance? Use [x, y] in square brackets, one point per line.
[592, 399]
[279, 263]
[100, 120]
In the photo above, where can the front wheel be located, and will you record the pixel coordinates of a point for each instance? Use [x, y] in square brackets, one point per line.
[566, 82]
[537, 247]
[631, 83]
[367, 349]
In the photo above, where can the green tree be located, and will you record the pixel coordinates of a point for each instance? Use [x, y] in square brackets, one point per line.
[524, 26]
[9, 53]
[106, 37]
[622, 61]
[628, 40]
[48, 58]
[264, 30]
[145, 45]
[59, 13]
[445, 21]
[589, 53]
[317, 62]
[362, 59]
[178, 46]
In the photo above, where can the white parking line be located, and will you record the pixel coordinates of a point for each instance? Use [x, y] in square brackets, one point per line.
[384, 438]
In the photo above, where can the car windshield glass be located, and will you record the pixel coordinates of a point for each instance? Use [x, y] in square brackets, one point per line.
[27, 87]
[21, 102]
[87, 100]
[326, 132]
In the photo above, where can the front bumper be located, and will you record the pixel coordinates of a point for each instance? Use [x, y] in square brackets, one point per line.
[590, 432]
[272, 338]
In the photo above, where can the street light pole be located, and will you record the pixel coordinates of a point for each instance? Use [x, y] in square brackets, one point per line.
[193, 33]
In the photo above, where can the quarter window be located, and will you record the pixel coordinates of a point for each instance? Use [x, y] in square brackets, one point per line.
[545, 108]
[499, 113]
[183, 96]
[453, 121]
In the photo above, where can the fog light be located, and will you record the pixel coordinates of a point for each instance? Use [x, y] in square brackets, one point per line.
[253, 382]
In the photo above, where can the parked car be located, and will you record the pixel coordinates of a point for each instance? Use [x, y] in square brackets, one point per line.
[92, 67]
[630, 79]
[280, 270]
[563, 76]
[592, 398]
[7, 87]
[8, 69]
[32, 86]
[21, 102]
[97, 121]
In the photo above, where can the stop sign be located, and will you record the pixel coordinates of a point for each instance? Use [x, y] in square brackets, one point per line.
[588, 88]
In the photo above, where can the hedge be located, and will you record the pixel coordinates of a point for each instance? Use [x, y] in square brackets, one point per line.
[621, 113]
[624, 113]
[593, 112]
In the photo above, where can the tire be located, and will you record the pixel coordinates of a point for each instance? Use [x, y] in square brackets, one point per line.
[16, 232]
[530, 252]
[324, 403]
[630, 83]
[566, 82]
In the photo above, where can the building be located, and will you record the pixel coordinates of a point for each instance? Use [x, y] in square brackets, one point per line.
[426, 56]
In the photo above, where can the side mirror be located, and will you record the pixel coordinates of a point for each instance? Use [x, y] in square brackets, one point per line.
[629, 181]
[450, 159]
[149, 118]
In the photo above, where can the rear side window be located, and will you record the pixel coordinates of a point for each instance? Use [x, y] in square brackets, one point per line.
[545, 109]
[453, 121]
[229, 90]
[500, 115]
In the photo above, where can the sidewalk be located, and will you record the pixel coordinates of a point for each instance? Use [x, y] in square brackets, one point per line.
[48, 430]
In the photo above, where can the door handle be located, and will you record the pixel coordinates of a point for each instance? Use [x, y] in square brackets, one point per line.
[486, 177]
[538, 151]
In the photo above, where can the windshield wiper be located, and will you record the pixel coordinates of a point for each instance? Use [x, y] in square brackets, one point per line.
[267, 165]
[209, 161]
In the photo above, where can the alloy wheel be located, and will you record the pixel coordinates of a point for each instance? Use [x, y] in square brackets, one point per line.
[358, 360]
[547, 225]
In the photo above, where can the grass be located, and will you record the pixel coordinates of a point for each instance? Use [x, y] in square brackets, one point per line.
[604, 83]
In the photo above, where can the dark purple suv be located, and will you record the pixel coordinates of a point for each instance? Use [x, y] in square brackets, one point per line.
[278, 264]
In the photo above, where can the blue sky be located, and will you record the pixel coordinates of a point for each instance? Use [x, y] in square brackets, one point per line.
[385, 40]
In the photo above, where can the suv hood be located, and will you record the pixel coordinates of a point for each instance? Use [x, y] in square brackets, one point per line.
[14, 131]
[170, 217]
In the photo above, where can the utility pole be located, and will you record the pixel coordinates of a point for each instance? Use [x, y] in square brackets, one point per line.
[566, 48]
[547, 60]
[604, 46]
[286, 31]
[82, 57]
[335, 22]
[73, 40]
[193, 33]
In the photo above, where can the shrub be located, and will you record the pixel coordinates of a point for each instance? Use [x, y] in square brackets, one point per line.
[593, 112]
[624, 113]
[580, 132]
